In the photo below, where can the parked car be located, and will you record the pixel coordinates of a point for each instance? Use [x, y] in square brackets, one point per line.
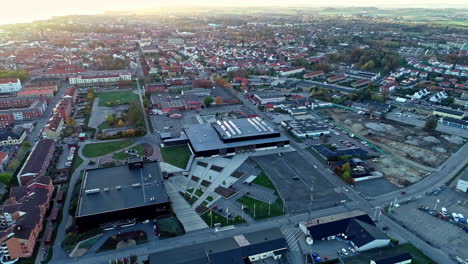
[344, 252]
[385, 228]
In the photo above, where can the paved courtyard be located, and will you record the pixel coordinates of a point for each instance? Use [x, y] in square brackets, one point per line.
[437, 232]
[293, 176]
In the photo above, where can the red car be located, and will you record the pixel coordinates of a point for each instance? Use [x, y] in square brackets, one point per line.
[214, 207]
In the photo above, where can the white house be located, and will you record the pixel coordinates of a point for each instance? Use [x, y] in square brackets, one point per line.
[10, 85]
[100, 79]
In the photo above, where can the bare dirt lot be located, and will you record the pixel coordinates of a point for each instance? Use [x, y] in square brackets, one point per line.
[411, 152]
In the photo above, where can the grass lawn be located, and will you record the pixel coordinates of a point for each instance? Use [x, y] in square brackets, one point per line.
[76, 163]
[104, 125]
[121, 155]
[86, 244]
[209, 198]
[418, 256]
[261, 208]
[170, 227]
[217, 218]
[177, 156]
[120, 97]
[264, 181]
[99, 149]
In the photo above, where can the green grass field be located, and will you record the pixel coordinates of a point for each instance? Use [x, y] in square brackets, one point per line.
[418, 256]
[120, 97]
[177, 156]
[263, 180]
[121, 155]
[99, 149]
[217, 218]
[261, 208]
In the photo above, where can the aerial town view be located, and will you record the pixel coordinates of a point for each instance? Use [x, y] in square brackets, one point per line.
[244, 132]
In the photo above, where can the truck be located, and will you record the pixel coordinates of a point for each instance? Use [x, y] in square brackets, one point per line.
[455, 217]
[444, 211]
[461, 218]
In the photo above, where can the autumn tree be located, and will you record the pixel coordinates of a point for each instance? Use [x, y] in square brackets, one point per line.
[431, 124]
[120, 123]
[218, 100]
[71, 122]
[131, 132]
[110, 119]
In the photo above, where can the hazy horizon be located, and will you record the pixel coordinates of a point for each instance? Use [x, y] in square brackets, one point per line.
[50, 8]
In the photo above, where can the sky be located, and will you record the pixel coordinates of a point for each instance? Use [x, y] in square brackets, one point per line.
[29, 10]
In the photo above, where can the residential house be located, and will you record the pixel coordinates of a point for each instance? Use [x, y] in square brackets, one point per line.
[37, 162]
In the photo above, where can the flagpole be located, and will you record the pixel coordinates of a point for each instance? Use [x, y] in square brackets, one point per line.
[254, 210]
[269, 206]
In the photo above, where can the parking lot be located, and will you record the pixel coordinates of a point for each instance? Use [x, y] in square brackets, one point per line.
[438, 232]
[293, 176]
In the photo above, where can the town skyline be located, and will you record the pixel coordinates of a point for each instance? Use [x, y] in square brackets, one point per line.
[37, 12]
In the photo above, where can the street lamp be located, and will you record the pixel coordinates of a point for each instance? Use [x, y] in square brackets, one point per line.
[435, 206]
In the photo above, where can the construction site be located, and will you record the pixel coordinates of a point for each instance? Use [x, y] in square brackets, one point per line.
[409, 152]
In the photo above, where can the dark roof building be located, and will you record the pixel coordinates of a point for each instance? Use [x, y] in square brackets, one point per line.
[231, 136]
[356, 225]
[38, 161]
[239, 249]
[132, 191]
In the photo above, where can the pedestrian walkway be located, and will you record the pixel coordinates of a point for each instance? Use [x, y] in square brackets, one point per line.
[220, 180]
[293, 235]
[186, 215]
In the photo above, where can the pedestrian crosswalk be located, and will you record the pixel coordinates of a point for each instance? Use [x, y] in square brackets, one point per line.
[293, 236]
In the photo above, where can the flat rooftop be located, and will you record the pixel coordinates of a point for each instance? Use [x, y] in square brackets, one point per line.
[118, 188]
[205, 137]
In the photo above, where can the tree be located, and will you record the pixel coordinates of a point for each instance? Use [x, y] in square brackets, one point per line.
[26, 145]
[5, 178]
[12, 165]
[218, 100]
[110, 119]
[71, 122]
[431, 124]
[131, 132]
[378, 98]
[208, 100]
[120, 123]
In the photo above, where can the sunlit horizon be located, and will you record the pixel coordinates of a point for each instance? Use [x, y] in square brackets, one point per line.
[40, 10]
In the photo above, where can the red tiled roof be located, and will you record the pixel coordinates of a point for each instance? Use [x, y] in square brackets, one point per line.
[9, 80]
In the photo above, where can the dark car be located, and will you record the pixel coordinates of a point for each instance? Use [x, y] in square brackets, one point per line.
[385, 228]
[403, 193]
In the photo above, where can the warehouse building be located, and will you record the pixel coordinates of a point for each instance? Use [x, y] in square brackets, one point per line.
[246, 248]
[445, 112]
[134, 191]
[355, 226]
[233, 136]
[462, 183]
[306, 128]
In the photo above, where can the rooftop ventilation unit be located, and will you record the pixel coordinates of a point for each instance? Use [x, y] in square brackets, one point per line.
[136, 185]
[118, 187]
